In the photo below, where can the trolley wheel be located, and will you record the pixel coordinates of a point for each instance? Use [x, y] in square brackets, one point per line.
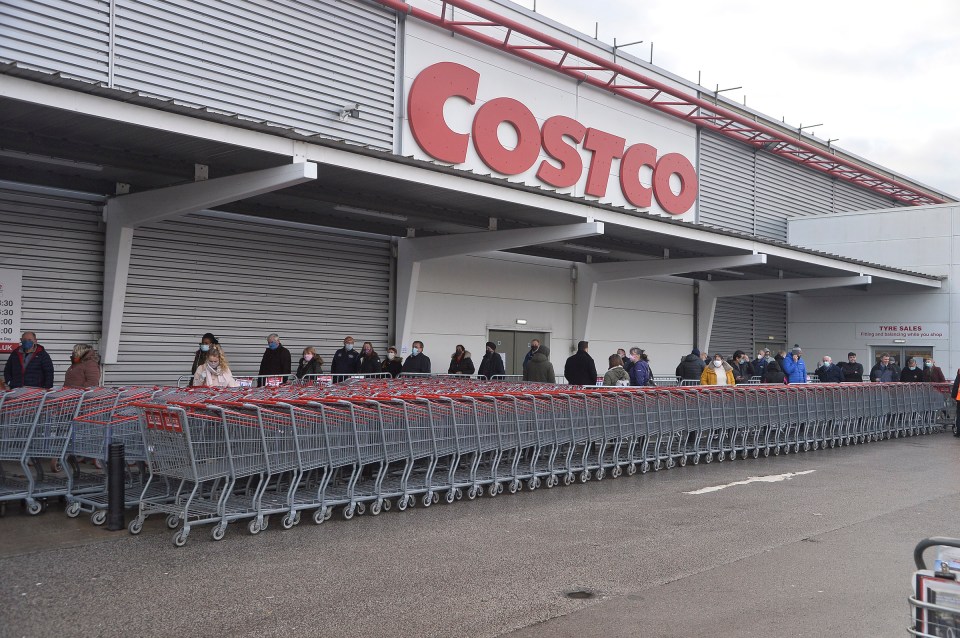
[645, 467]
[806, 447]
[671, 463]
[73, 510]
[600, 473]
[683, 461]
[288, 521]
[296, 518]
[472, 493]
[550, 482]
[721, 456]
[349, 511]
[427, 499]
[766, 452]
[361, 509]
[254, 527]
[708, 457]
[375, 508]
[816, 445]
[513, 486]
[319, 515]
[173, 521]
[402, 503]
[135, 526]
[180, 539]
[567, 479]
[34, 508]
[776, 451]
[220, 530]
[499, 488]
[459, 494]
[696, 459]
[99, 517]
[492, 489]
[450, 496]
[755, 453]
[532, 484]
[584, 476]
[631, 469]
[616, 472]
[656, 465]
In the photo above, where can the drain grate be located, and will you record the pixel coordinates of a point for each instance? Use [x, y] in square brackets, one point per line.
[580, 594]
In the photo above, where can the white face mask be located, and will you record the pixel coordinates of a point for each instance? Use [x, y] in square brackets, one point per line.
[391, 356]
[718, 364]
[348, 346]
[214, 363]
[307, 357]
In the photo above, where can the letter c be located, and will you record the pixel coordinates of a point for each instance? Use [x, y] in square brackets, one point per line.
[668, 165]
[428, 93]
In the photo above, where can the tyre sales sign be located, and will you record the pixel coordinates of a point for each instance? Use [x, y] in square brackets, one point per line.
[11, 286]
[903, 330]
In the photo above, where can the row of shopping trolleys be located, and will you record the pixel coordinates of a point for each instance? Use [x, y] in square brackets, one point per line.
[364, 447]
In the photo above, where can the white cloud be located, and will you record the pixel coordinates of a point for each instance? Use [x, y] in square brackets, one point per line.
[880, 76]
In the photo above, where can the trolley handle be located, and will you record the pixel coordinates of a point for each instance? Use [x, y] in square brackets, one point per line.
[927, 543]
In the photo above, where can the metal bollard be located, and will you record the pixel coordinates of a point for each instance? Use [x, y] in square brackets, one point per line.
[116, 468]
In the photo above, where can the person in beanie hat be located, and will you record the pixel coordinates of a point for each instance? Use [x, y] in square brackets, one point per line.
[492, 363]
[795, 367]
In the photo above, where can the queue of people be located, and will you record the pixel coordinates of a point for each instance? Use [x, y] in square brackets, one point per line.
[29, 365]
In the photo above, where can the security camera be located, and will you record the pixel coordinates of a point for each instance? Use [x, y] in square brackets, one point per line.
[350, 111]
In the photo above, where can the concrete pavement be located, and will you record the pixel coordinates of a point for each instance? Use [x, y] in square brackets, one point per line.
[823, 552]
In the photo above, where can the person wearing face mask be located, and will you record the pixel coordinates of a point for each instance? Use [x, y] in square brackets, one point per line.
[417, 362]
[492, 363]
[369, 359]
[640, 373]
[461, 362]
[932, 373]
[393, 364]
[200, 356]
[759, 365]
[275, 362]
[827, 372]
[719, 372]
[912, 373]
[740, 363]
[310, 364]
[29, 365]
[84, 370]
[215, 372]
[346, 361]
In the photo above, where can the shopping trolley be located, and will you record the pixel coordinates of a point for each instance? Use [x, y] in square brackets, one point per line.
[935, 603]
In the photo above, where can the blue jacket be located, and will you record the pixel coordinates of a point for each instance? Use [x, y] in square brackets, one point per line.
[640, 373]
[796, 370]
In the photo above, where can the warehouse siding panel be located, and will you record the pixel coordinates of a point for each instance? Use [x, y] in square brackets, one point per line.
[56, 239]
[58, 36]
[242, 281]
[741, 322]
[726, 184]
[847, 198]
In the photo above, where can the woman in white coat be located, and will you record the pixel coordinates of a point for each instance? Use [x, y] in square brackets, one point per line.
[215, 372]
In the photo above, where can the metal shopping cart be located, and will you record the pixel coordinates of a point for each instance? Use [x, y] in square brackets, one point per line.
[935, 603]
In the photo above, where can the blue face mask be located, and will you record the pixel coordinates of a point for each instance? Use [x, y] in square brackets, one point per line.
[415, 351]
[26, 344]
[204, 347]
[273, 345]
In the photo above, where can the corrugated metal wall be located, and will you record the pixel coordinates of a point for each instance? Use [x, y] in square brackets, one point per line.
[290, 63]
[56, 239]
[742, 322]
[242, 281]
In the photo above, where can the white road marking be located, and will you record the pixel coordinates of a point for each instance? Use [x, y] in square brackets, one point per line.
[773, 478]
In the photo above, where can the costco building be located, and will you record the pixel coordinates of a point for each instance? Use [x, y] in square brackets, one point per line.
[443, 171]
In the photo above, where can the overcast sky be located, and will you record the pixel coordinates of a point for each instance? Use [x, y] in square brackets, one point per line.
[882, 76]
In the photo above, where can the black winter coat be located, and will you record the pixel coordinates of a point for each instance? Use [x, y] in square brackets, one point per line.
[370, 364]
[852, 372]
[274, 362]
[741, 371]
[832, 374]
[759, 366]
[419, 364]
[911, 376]
[491, 365]
[345, 362]
[691, 367]
[463, 365]
[309, 367]
[37, 373]
[773, 373]
[580, 369]
[393, 367]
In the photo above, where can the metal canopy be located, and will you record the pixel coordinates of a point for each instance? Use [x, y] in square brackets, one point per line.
[48, 146]
[526, 42]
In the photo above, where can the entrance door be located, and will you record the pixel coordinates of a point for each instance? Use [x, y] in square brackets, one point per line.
[901, 354]
[513, 346]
